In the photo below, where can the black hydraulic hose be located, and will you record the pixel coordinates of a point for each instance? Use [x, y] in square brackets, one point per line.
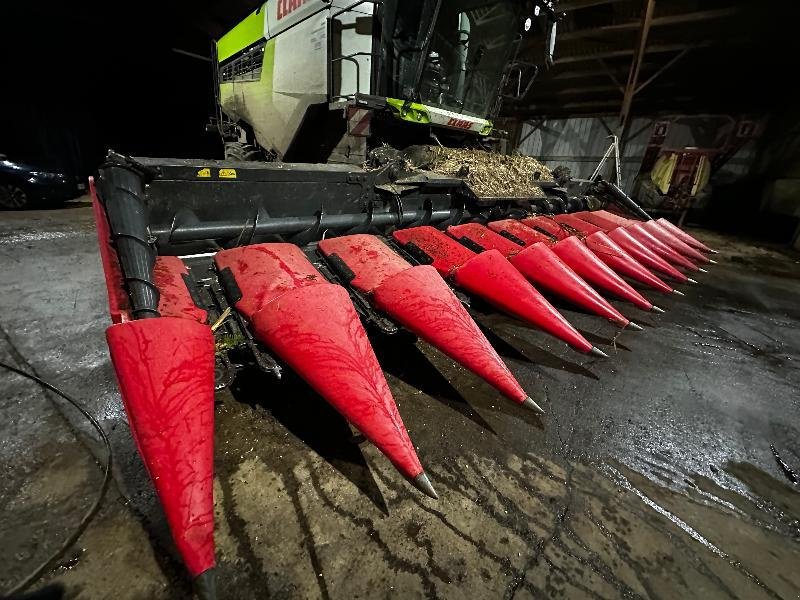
[92, 512]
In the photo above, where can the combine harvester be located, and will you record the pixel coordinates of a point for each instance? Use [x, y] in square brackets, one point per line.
[370, 193]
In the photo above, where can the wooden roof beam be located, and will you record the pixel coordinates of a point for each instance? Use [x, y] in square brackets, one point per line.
[562, 60]
[679, 19]
[571, 5]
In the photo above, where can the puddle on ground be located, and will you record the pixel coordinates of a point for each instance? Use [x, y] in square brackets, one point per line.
[509, 523]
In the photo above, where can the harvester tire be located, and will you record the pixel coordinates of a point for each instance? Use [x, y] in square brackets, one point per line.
[242, 152]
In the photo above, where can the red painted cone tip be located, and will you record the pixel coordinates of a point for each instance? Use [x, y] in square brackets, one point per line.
[317, 332]
[521, 231]
[420, 300]
[644, 255]
[648, 239]
[581, 260]
[313, 327]
[674, 242]
[623, 263]
[681, 234]
[490, 276]
[542, 266]
[165, 370]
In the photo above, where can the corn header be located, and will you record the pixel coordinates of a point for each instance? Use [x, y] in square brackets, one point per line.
[359, 194]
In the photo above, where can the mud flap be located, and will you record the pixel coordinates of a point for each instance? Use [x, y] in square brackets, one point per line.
[165, 370]
[581, 260]
[623, 263]
[311, 325]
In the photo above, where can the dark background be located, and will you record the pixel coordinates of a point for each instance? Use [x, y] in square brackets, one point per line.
[80, 78]
[83, 77]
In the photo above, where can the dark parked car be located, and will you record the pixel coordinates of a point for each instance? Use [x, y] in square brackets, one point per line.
[23, 185]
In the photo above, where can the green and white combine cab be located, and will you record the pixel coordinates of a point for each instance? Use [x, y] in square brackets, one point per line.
[327, 81]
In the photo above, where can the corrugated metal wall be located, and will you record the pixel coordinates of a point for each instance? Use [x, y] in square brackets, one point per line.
[580, 143]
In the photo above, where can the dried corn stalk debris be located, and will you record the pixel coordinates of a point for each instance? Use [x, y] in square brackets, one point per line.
[488, 174]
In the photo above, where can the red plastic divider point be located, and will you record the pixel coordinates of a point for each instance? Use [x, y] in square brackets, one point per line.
[311, 325]
[490, 276]
[623, 263]
[674, 242]
[644, 255]
[581, 260]
[420, 300]
[165, 370]
[645, 237]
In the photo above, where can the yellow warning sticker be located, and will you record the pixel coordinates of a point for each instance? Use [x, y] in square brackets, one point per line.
[204, 172]
[227, 173]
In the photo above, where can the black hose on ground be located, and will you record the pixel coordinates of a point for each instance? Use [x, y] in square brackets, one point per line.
[92, 512]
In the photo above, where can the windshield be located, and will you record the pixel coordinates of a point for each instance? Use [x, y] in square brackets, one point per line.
[469, 48]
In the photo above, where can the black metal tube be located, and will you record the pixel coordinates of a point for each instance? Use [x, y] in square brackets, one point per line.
[426, 42]
[215, 230]
[622, 199]
[122, 193]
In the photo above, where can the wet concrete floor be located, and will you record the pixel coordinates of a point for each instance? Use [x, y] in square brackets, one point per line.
[651, 476]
